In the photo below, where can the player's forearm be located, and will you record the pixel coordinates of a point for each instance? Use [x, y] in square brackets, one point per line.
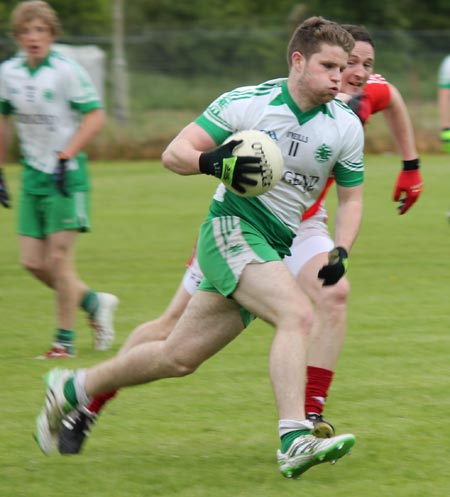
[399, 123]
[347, 224]
[183, 153]
[444, 107]
[4, 139]
[348, 219]
[2, 149]
[181, 157]
[90, 126]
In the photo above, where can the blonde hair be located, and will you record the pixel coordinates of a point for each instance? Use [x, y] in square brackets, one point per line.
[36, 9]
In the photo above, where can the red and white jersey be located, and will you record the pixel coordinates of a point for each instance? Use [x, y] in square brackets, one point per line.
[376, 97]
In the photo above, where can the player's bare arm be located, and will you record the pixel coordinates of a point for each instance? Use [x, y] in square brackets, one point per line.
[347, 223]
[348, 215]
[91, 124]
[182, 154]
[4, 134]
[4, 195]
[409, 184]
[444, 107]
[399, 123]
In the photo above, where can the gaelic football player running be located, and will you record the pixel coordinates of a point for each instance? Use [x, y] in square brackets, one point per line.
[372, 94]
[253, 281]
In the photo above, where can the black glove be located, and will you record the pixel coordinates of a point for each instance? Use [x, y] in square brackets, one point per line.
[59, 176]
[4, 195]
[336, 267]
[229, 168]
[355, 102]
[360, 106]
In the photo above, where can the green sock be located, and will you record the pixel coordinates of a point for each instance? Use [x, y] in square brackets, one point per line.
[288, 438]
[70, 393]
[90, 302]
[65, 338]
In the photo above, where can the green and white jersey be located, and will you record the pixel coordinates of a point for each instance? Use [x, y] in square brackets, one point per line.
[324, 141]
[444, 73]
[47, 102]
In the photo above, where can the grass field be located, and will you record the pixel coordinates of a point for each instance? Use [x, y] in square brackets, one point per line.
[215, 433]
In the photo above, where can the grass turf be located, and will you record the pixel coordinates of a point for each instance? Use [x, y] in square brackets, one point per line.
[215, 432]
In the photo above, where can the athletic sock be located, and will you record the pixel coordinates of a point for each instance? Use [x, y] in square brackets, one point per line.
[70, 392]
[65, 338]
[74, 390]
[317, 386]
[290, 429]
[99, 401]
[90, 302]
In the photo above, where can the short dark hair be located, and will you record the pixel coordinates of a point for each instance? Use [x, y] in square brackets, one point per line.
[359, 33]
[312, 33]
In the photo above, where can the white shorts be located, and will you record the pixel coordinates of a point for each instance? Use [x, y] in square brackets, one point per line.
[193, 276]
[312, 239]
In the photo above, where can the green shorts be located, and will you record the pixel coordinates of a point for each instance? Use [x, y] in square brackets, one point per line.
[41, 215]
[225, 246]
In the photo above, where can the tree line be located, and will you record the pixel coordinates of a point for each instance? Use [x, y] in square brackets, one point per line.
[94, 17]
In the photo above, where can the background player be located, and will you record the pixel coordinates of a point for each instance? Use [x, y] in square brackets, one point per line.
[43, 89]
[372, 93]
[444, 102]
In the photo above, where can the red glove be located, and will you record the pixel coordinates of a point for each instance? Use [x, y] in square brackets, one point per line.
[409, 182]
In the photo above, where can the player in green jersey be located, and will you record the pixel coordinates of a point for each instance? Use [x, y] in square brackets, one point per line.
[308, 253]
[318, 136]
[444, 102]
[57, 113]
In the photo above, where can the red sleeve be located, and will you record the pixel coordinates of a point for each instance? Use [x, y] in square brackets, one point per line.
[378, 93]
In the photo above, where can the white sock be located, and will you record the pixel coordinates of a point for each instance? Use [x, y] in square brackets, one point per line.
[288, 425]
[79, 383]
